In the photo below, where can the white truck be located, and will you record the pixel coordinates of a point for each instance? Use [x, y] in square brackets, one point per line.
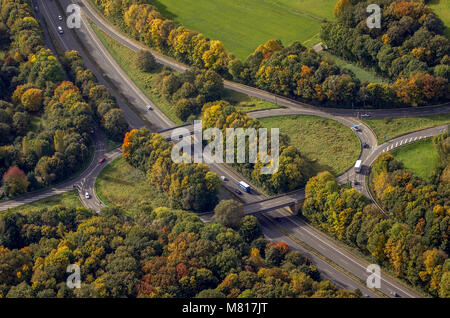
[358, 166]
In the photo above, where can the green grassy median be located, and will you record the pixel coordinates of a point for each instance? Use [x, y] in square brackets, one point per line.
[331, 145]
[421, 157]
[122, 185]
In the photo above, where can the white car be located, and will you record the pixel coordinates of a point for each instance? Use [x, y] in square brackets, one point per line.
[60, 30]
[87, 196]
[149, 107]
[223, 178]
[365, 115]
[60, 18]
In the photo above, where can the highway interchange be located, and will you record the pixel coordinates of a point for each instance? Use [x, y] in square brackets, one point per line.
[334, 261]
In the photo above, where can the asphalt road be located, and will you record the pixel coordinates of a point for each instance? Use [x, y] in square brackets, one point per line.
[287, 225]
[134, 45]
[80, 182]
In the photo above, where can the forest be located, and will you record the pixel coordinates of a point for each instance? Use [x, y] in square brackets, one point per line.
[154, 253]
[410, 49]
[189, 186]
[419, 73]
[413, 240]
[45, 120]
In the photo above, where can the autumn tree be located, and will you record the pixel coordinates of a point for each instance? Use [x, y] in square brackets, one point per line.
[340, 6]
[32, 99]
[15, 181]
[228, 213]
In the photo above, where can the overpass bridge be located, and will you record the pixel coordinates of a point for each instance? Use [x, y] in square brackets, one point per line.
[188, 129]
[291, 200]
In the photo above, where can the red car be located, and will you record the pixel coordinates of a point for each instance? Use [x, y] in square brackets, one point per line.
[102, 160]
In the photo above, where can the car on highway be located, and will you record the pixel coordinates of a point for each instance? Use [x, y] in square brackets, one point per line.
[223, 178]
[149, 107]
[355, 183]
[366, 146]
[365, 115]
[60, 18]
[238, 192]
[102, 160]
[87, 196]
[60, 30]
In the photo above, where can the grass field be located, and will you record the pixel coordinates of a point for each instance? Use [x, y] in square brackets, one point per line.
[69, 199]
[394, 127]
[442, 9]
[245, 24]
[330, 144]
[361, 73]
[125, 58]
[122, 185]
[111, 145]
[248, 103]
[420, 157]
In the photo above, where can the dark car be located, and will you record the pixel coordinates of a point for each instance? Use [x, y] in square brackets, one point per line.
[238, 192]
[366, 146]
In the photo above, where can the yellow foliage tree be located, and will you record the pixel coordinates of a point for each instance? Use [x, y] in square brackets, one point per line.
[32, 99]
[340, 7]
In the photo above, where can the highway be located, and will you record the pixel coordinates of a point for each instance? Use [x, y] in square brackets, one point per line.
[278, 225]
[83, 182]
[134, 45]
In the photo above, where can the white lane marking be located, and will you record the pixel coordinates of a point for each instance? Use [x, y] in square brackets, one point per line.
[342, 254]
[120, 72]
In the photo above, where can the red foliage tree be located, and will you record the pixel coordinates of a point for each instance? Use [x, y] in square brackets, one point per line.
[15, 181]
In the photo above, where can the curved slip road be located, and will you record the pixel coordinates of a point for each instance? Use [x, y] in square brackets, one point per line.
[292, 226]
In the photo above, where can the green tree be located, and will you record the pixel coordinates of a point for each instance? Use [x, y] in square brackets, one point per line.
[250, 228]
[145, 61]
[115, 124]
[229, 213]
